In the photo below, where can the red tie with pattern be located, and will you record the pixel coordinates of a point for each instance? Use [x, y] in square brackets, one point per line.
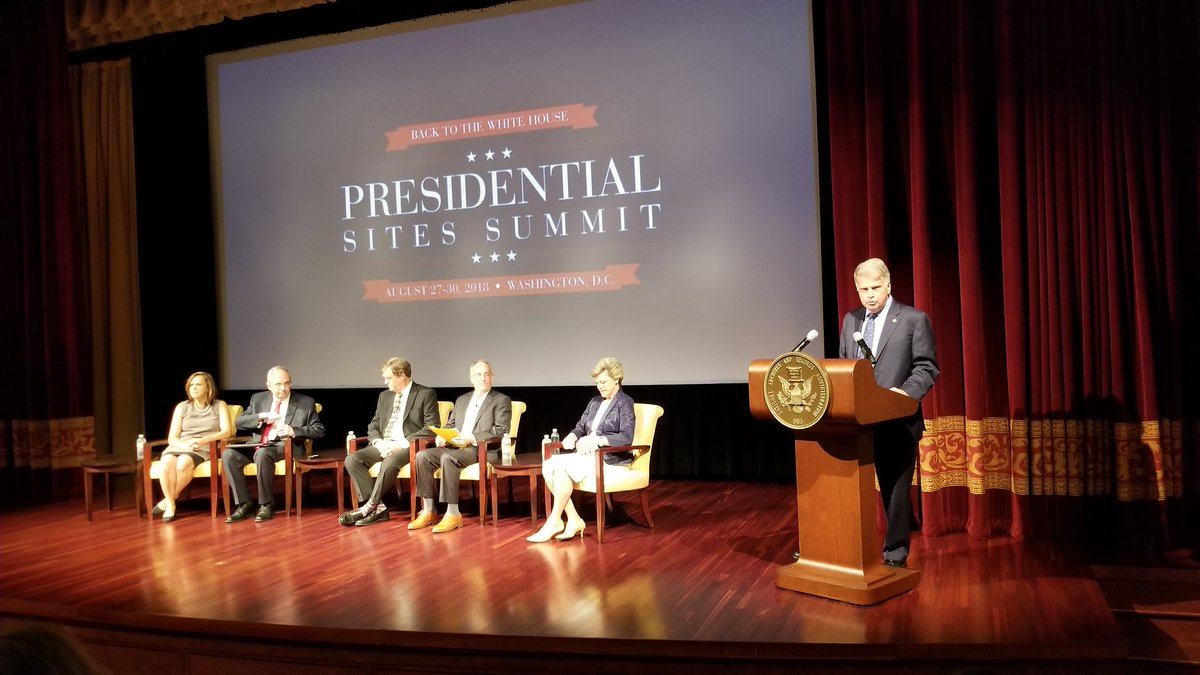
[266, 430]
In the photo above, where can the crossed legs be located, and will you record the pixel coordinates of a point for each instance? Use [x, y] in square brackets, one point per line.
[177, 472]
[558, 471]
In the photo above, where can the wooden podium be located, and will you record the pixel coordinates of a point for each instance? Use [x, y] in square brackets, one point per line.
[840, 554]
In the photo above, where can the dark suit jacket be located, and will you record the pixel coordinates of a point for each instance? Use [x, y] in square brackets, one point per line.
[420, 411]
[617, 425]
[301, 415]
[905, 357]
[494, 419]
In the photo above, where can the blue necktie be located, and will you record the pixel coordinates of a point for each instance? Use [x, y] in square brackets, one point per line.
[869, 333]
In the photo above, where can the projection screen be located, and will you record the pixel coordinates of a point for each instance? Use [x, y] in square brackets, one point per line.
[540, 184]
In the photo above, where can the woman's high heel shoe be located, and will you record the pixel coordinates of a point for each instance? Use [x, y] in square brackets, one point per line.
[570, 532]
[544, 535]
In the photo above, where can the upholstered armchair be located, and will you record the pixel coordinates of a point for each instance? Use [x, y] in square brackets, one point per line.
[406, 472]
[152, 467]
[473, 473]
[285, 467]
[614, 478]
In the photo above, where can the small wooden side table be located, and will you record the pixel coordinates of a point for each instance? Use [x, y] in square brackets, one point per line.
[337, 464]
[107, 466]
[526, 464]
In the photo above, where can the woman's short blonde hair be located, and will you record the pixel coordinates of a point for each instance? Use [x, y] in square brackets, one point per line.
[615, 370]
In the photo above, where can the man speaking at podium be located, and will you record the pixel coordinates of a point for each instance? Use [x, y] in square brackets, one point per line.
[898, 340]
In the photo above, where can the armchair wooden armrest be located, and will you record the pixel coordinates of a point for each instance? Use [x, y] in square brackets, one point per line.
[549, 448]
[415, 446]
[612, 450]
[149, 463]
[283, 467]
[147, 481]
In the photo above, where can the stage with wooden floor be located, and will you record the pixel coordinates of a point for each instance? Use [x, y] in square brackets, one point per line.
[696, 593]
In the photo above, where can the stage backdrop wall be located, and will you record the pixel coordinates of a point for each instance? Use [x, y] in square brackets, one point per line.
[1029, 171]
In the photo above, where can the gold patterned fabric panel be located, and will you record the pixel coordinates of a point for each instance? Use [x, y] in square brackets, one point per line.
[94, 23]
[1137, 460]
[42, 444]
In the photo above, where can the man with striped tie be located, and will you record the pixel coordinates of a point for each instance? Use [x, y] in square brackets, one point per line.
[403, 413]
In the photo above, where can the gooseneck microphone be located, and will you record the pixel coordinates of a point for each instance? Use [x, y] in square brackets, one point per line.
[862, 344]
[812, 335]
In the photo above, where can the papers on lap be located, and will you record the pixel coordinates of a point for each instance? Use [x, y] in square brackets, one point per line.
[247, 448]
[449, 435]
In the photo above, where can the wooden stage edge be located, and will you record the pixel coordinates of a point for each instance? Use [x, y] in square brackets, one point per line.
[182, 644]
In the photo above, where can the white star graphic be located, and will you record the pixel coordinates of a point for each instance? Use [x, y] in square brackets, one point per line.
[475, 258]
[507, 153]
[470, 157]
[511, 256]
[490, 155]
[495, 257]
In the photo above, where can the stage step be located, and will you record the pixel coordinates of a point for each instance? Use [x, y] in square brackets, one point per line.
[1158, 610]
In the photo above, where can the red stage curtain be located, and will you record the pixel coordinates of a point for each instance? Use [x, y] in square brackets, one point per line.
[1029, 172]
[45, 346]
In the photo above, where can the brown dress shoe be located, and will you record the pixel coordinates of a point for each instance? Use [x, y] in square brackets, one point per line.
[450, 522]
[423, 519]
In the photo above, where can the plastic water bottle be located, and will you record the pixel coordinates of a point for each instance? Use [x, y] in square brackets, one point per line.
[141, 446]
[506, 450]
[545, 442]
[554, 436]
[350, 439]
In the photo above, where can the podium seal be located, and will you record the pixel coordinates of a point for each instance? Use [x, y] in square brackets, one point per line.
[796, 390]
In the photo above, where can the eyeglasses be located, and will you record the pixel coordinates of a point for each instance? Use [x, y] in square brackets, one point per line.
[278, 385]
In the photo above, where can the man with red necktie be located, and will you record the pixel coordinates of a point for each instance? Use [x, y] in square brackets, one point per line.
[272, 416]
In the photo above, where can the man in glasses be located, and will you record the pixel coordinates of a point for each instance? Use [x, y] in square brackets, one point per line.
[273, 416]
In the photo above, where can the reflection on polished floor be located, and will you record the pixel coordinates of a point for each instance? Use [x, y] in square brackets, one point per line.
[700, 584]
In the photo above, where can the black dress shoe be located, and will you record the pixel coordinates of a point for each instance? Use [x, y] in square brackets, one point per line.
[265, 513]
[895, 563]
[168, 519]
[376, 516]
[242, 512]
[351, 517]
[158, 511]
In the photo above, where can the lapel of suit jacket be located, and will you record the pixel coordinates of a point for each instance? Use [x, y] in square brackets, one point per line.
[408, 405]
[293, 411]
[482, 406]
[889, 326]
[488, 401]
[858, 316]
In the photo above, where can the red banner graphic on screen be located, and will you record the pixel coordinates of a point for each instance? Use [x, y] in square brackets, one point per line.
[611, 278]
[575, 116]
